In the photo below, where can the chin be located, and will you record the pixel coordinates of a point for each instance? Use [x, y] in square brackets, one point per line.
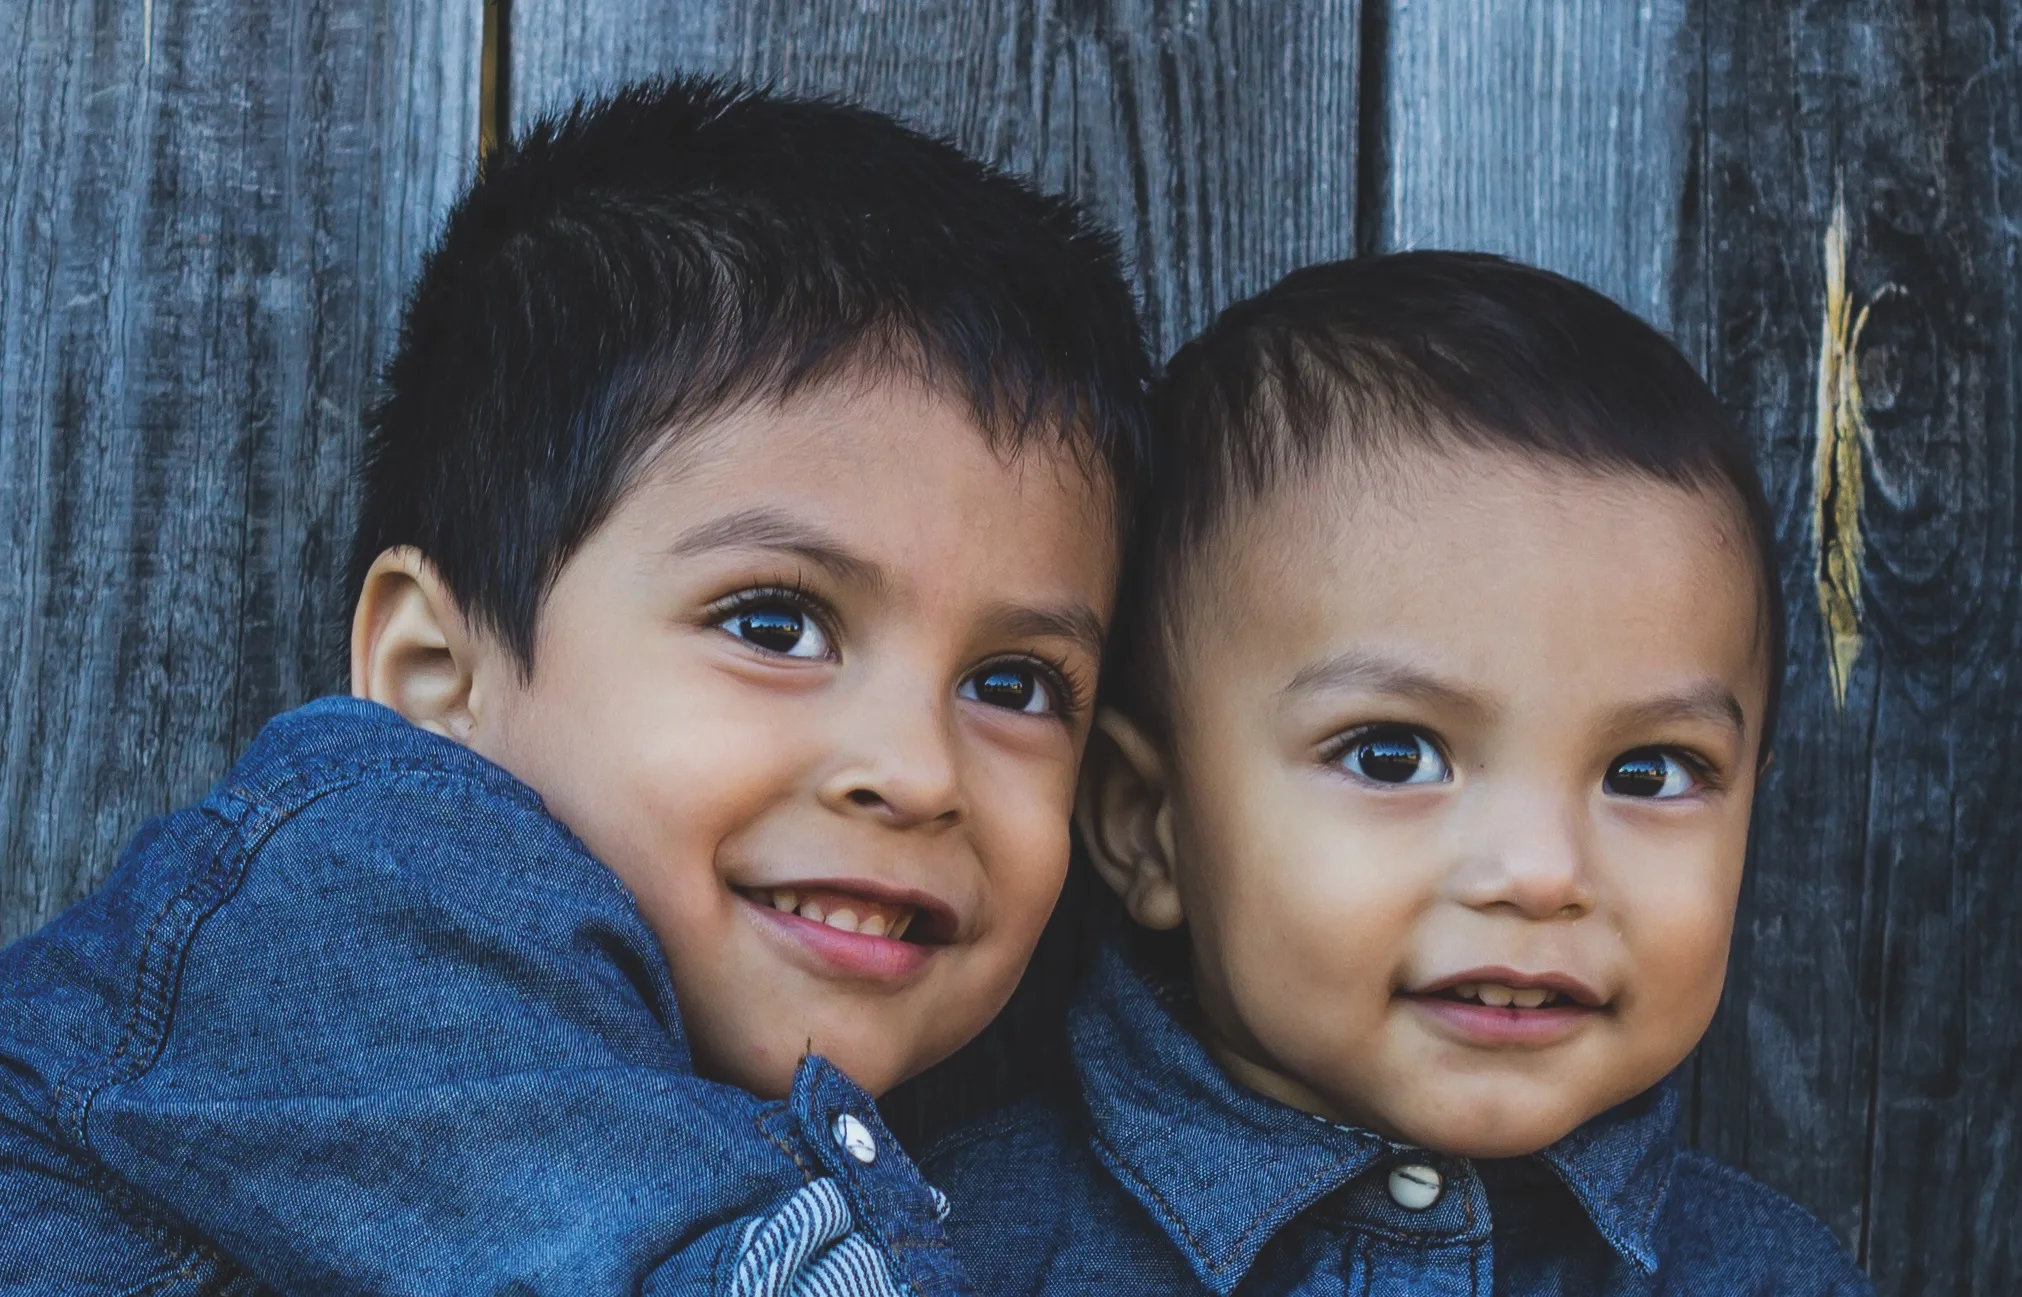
[1497, 1131]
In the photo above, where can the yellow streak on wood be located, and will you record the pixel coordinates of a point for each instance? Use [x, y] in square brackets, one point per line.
[1842, 434]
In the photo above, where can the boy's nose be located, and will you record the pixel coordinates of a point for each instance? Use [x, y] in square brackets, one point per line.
[1532, 860]
[898, 764]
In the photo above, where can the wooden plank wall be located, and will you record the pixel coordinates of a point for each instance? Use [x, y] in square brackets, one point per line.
[207, 211]
[1143, 108]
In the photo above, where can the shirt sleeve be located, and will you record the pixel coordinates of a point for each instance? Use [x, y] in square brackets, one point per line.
[410, 1037]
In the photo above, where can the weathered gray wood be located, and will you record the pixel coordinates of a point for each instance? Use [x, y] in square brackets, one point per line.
[1870, 1057]
[1554, 131]
[207, 212]
[1218, 138]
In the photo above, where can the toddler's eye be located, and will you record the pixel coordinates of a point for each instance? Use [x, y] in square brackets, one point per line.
[1394, 756]
[778, 627]
[1650, 772]
[1012, 687]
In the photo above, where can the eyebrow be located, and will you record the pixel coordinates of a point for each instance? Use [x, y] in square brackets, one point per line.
[1074, 621]
[1359, 669]
[764, 528]
[769, 529]
[1710, 701]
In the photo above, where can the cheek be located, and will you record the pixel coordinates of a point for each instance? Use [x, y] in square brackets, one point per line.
[1675, 912]
[617, 754]
[1021, 813]
[1289, 885]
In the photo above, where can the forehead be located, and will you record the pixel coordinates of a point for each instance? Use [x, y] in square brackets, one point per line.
[891, 468]
[1484, 563]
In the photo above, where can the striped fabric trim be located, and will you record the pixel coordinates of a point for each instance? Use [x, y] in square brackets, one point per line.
[807, 1249]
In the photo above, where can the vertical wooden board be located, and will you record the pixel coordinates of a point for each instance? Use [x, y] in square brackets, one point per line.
[1219, 139]
[1554, 131]
[207, 213]
[1868, 1056]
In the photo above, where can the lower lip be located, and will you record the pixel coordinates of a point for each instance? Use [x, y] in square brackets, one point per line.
[835, 952]
[1479, 1024]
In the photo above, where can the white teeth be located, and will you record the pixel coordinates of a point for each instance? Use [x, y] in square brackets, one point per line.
[785, 901]
[812, 910]
[872, 926]
[1495, 997]
[900, 924]
[1466, 990]
[1530, 997]
[844, 919]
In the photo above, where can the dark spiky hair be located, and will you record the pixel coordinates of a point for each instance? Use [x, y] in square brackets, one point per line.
[625, 271]
[1449, 349]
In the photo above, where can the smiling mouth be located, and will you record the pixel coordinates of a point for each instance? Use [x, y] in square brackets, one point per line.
[1496, 996]
[849, 912]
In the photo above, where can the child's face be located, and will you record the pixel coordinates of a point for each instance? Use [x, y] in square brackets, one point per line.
[1459, 725]
[826, 656]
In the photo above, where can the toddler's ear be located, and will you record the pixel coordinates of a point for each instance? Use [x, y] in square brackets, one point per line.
[410, 648]
[1125, 819]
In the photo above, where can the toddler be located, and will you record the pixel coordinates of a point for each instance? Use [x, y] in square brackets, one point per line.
[1450, 669]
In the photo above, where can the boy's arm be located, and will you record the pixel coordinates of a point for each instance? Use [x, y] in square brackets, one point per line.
[410, 1037]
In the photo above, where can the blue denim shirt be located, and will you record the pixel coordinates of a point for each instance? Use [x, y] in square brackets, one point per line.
[1161, 1176]
[369, 1020]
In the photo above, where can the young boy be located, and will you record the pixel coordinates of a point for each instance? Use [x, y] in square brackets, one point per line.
[1452, 666]
[738, 536]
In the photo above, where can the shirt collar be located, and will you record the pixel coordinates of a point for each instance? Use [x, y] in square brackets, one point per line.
[1222, 1169]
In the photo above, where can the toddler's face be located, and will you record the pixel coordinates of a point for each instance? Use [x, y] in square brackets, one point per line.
[1458, 793]
[816, 692]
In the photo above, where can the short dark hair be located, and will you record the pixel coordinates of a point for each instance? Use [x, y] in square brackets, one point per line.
[1453, 349]
[624, 271]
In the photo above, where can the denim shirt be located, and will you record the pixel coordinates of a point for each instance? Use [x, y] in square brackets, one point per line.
[369, 1020]
[1162, 1176]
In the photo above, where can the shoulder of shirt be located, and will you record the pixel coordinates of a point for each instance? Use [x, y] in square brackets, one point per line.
[1720, 1217]
[337, 743]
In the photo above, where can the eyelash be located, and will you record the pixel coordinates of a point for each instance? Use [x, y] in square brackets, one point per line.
[1709, 775]
[790, 591]
[1060, 678]
[1065, 683]
[1345, 743]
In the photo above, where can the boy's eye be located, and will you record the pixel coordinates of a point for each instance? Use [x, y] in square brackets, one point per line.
[1650, 772]
[778, 627]
[1012, 687]
[1394, 756]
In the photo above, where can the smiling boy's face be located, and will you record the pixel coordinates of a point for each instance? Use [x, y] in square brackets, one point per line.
[1457, 793]
[816, 692]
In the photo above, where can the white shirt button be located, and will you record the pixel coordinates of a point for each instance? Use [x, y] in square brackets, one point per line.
[855, 1138]
[1414, 1187]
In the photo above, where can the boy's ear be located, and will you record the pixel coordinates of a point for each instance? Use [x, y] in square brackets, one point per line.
[410, 646]
[1125, 816]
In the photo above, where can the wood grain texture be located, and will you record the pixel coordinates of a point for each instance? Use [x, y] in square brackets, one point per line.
[1218, 138]
[207, 212]
[1868, 1056]
[1557, 132]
